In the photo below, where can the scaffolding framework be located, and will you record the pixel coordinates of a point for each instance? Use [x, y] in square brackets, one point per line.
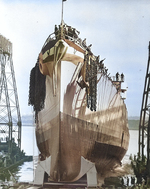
[10, 119]
[144, 124]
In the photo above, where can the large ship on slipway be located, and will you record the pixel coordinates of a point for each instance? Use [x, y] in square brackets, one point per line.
[80, 114]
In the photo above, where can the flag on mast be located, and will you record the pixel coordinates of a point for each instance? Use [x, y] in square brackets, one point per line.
[64, 0]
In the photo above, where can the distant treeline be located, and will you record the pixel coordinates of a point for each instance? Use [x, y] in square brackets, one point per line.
[133, 124]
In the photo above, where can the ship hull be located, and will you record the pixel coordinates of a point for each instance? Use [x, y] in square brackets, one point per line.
[72, 139]
[74, 126]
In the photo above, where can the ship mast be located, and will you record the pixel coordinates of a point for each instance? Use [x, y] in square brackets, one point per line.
[62, 22]
[62, 10]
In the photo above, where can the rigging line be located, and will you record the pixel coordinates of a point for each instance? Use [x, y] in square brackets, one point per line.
[104, 92]
[113, 101]
[99, 94]
[100, 88]
[107, 91]
[113, 98]
[110, 95]
[99, 78]
[111, 92]
[107, 97]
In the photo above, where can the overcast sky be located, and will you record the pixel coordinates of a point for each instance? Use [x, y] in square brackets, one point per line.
[119, 31]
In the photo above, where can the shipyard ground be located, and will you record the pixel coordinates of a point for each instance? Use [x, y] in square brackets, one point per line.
[26, 185]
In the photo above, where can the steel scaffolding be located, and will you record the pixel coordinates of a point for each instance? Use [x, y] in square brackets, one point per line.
[144, 124]
[10, 119]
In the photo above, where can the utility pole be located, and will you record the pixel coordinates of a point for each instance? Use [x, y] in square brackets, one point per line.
[10, 119]
[144, 124]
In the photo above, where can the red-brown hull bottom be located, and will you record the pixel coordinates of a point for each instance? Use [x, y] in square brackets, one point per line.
[71, 139]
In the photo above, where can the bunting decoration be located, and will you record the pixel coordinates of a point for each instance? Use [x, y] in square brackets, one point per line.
[37, 89]
[91, 78]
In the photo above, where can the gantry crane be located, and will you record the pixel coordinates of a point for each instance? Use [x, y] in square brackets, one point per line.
[10, 119]
[144, 124]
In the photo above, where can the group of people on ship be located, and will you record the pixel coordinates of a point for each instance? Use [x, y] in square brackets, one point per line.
[67, 31]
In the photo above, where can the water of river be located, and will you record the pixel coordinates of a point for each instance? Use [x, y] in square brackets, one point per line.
[26, 173]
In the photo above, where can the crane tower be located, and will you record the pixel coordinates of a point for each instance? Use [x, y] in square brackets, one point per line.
[144, 124]
[10, 119]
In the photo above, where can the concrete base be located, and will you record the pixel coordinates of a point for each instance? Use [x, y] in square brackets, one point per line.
[90, 170]
[42, 167]
[87, 168]
[92, 177]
